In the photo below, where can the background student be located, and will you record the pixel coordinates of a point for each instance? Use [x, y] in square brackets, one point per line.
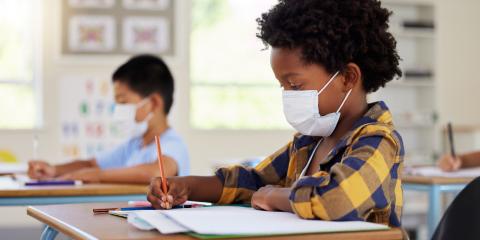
[143, 90]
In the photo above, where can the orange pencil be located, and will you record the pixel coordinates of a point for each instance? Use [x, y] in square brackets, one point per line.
[160, 165]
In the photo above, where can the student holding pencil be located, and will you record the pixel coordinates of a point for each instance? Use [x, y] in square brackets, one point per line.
[143, 90]
[453, 162]
[346, 160]
[449, 163]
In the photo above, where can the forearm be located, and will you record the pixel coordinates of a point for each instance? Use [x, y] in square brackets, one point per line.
[61, 169]
[140, 174]
[205, 189]
[470, 159]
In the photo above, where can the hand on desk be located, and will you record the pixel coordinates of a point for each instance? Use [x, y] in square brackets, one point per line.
[87, 175]
[449, 163]
[178, 192]
[40, 170]
[272, 198]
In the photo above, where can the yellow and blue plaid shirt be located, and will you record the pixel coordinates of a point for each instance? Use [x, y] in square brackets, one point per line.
[358, 181]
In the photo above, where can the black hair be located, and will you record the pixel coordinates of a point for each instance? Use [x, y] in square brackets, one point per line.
[147, 74]
[333, 33]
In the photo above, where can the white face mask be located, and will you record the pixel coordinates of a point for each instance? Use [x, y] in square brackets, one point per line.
[124, 118]
[301, 111]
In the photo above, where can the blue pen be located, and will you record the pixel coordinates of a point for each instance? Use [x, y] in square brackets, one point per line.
[136, 208]
[53, 183]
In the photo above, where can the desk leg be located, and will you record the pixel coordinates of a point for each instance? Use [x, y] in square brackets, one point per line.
[48, 233]
[434, 211]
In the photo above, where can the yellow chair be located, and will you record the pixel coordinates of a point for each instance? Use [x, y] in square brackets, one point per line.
[7, 157]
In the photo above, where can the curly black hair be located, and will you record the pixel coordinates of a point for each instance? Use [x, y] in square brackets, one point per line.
[333, 33]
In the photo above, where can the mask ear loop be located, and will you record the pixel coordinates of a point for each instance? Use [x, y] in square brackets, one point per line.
[328, 83]
[344, 100]
[141, 104]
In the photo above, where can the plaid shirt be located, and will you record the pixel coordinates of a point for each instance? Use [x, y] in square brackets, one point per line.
[358, 181]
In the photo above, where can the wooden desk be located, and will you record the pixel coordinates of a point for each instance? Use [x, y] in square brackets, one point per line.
[435, 187]
[15, 194]
[408, 179]
[78, 222]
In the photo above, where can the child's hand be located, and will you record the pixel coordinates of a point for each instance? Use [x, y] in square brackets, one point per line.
[449, 163]
[272, 198]
[178, 192]
[40, 170]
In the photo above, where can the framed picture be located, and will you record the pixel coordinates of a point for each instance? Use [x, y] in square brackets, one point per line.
[145, 34]
[92, 33]
[106, 27]
[91, 3]
[146, 4]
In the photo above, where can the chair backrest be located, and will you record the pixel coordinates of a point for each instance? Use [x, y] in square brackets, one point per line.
[462, 218]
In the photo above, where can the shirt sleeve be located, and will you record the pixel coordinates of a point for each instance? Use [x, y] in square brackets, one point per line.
[239, 183]
[114, 158]
[178, 152]
[362, 181]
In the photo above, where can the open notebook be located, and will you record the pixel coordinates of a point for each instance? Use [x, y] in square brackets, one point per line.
[433, 171]
[240, 221]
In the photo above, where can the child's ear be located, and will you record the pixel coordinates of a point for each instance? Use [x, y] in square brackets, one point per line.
[352, 76]
[157, 103]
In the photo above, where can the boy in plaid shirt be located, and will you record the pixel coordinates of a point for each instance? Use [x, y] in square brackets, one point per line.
[346, 159]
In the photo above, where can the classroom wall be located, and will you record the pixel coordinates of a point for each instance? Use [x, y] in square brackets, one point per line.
[457, 87]
[207, 147]
[458, 61]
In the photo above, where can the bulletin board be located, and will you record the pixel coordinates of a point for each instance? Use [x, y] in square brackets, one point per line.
[86, 107]
[103, 27]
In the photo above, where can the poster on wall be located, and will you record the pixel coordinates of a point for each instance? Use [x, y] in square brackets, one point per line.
[86, 109]
[103, 27]
[91, 3]
[92, 33]
[145, 34]
[146, 4]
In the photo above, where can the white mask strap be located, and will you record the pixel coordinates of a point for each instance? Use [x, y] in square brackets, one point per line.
[142, 103]
[344, 100]
[328, 83]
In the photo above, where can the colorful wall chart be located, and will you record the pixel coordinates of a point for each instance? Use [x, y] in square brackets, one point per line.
[86, 108]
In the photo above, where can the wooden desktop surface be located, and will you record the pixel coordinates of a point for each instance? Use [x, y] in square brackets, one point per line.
[18, 190]
[434, 180]
[78, 221]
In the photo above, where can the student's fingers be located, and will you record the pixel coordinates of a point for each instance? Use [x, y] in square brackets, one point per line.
[445, 163]
[156, 189]
[177, 193]
[156, 203]
[35, 171]
[457, 163]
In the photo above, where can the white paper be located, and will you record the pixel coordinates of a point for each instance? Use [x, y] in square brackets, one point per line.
[6, 182]
[6, 168]
[156, 219]
[138, 222]
[228, 220]
[432, 171]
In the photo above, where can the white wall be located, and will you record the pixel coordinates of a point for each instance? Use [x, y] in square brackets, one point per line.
[458, 61]
[457, 88]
